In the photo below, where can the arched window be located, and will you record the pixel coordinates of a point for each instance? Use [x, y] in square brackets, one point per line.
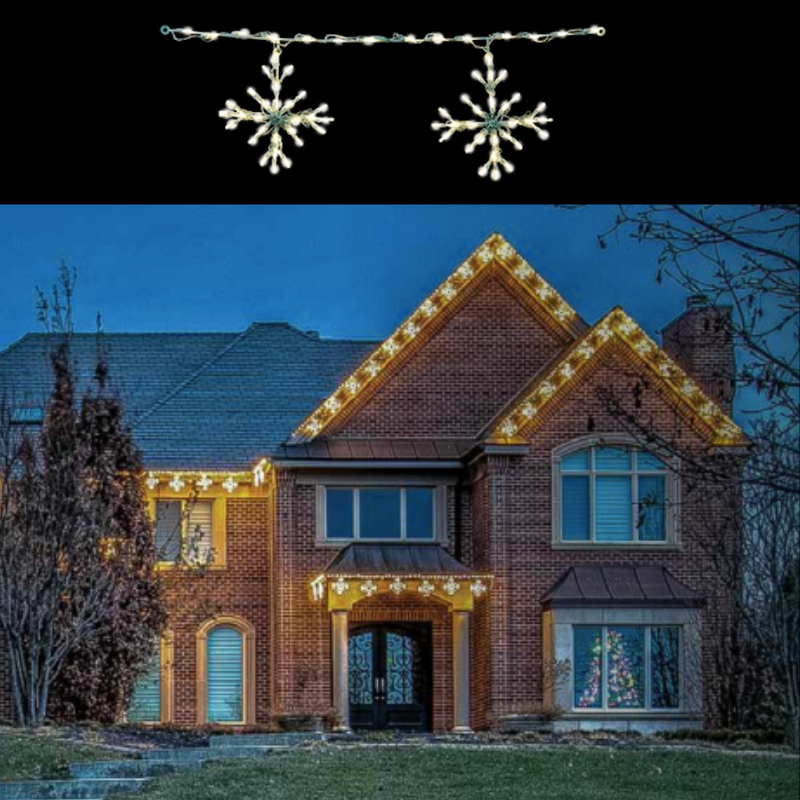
[611, 493]
[226, 672]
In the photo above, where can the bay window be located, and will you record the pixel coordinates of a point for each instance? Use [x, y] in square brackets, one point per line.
[619, 667]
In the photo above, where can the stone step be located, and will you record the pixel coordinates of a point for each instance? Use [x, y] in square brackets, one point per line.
[132, 768]
[208, 753]
[84, 789]
[265, 739]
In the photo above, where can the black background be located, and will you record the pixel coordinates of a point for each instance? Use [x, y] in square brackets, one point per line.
[99, 105]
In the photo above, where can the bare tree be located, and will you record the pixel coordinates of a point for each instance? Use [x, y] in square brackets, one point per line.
[76, 545]
[746, 499]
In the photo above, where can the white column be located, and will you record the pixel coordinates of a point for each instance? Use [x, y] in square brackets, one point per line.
[461, 671]
[341, 693]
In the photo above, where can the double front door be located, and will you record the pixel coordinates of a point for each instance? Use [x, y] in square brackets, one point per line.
[390, 676]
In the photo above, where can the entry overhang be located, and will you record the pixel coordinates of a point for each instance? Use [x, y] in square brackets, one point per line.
[360, 571]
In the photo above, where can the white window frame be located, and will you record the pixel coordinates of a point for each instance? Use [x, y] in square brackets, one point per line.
[439, 504]
[671, 492]
[648, 680]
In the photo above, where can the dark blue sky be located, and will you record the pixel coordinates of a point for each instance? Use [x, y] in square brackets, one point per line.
[346, 271]
[343, 270]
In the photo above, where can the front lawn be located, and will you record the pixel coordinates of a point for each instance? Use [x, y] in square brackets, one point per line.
[417, 773]
[25, 756]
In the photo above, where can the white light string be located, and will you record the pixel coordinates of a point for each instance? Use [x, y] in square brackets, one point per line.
[181, 34]
[277, 116]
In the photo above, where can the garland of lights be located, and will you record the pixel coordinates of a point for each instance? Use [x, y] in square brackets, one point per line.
[276, 116]
[477, 585]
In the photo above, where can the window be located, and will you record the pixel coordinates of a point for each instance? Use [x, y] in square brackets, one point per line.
[612, 495]
[388, 513]
[187, 526]
[152, 695]
[226, 669]
[146, 702]
[27, 415]
[225, 675]
[620, 667]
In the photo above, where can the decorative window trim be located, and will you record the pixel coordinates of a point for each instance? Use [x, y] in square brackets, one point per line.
[672, 490]
[248, 633]
[439, 512]
[648, 683]
[558, 645]
[219, 534]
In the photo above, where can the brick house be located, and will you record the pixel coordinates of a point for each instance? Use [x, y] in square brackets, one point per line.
[415, 532]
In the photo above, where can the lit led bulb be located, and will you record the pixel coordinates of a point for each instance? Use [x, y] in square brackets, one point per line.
[212, 37]
[506, 35]
[307, 39]
[476, 75]
[187, 31]
[410, 38]
[534, 37]
[243, 33]
[437, 38]
[370, 40]
[561, 34]
[467, 38]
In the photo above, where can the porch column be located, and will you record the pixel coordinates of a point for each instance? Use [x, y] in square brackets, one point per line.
[461, 671]
[341, 698]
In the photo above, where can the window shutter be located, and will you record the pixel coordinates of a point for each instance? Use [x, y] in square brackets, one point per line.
[168, 529]
[199, 531]
[613, 511]
[575, 508]
[651, 508]
[146, 702]
[224, 675]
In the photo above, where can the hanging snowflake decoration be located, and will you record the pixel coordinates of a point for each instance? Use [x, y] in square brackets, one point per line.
[493, 124]
[276, 116]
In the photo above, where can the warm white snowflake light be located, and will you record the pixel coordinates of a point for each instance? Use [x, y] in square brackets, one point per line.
[152, 481]
[229, 484]
[204, 482]
[276, 116]
[493, 124]
[177, 483]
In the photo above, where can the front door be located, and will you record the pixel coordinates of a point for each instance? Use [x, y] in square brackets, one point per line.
[390, 676]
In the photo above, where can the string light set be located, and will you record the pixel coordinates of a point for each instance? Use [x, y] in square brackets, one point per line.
[277, 117]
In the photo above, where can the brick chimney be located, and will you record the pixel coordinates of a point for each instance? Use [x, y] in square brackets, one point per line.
[700, 340]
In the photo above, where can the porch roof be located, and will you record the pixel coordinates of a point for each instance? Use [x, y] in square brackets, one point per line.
[374, 560]
[620, 585]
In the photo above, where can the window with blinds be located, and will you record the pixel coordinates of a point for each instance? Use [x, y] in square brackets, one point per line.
[146, 702]
[184, 526]
[612, 495]
[224, 675]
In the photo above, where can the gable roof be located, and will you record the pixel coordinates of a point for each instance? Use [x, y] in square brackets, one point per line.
[521, 414]
[420, 326]
[198, 401]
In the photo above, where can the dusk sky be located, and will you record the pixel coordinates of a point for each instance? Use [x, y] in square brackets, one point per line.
[346, 271]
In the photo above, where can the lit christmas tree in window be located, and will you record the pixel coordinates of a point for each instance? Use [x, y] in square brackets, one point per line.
[591, 696]
[623, 667]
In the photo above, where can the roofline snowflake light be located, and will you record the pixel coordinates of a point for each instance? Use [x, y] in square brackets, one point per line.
[372, 369]
[277, 116]
[615, 325]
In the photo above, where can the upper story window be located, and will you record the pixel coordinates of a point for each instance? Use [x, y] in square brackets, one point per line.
[389, 513]
[613, 495]
[185, 528]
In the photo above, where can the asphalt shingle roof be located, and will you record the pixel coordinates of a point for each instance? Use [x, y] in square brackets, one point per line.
[199, 400]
